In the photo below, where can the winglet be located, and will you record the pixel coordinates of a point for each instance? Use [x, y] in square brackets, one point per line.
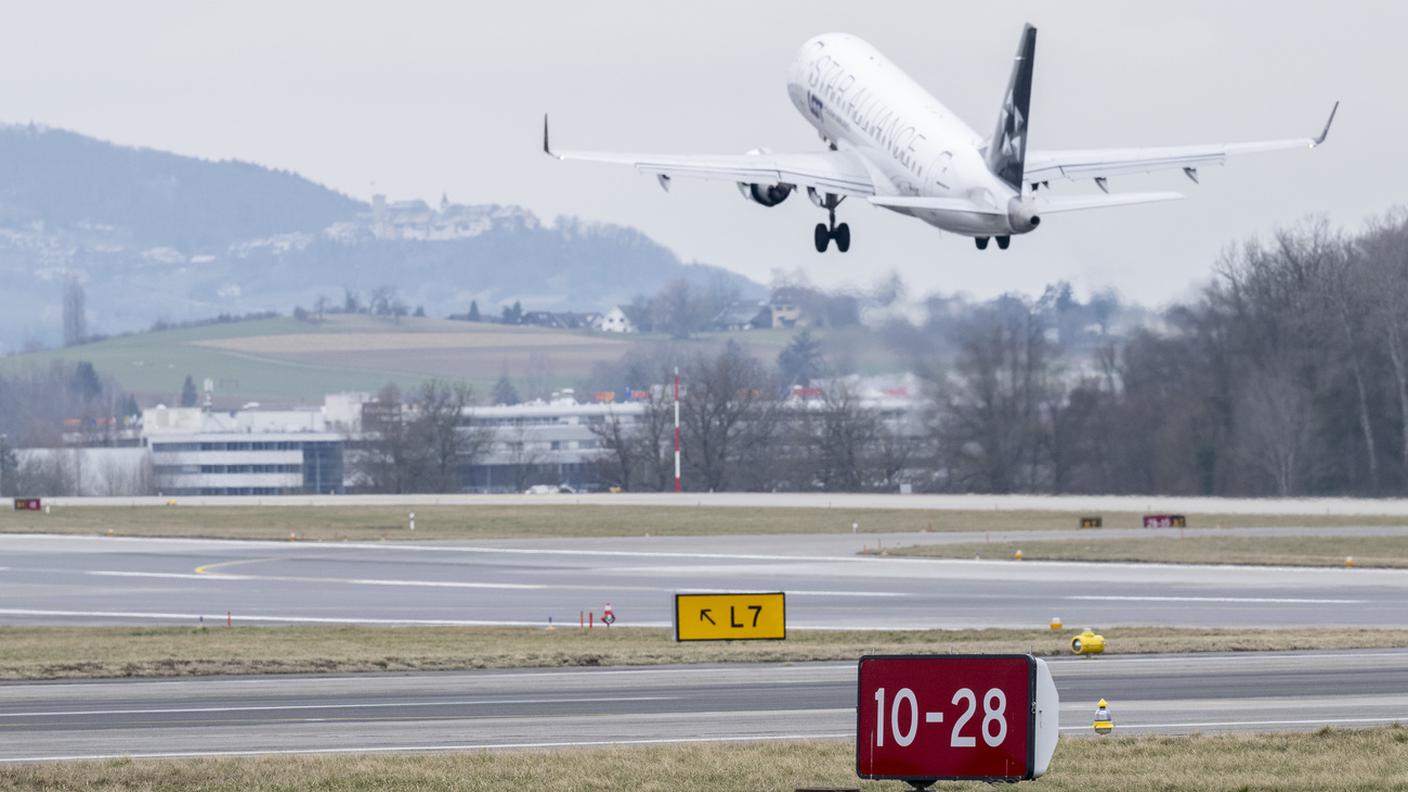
[547, 149]
[1326, 132]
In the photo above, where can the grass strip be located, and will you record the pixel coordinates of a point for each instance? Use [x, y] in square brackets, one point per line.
[1330, 759]
[86, 652]
[564, 518]
[1313, 551]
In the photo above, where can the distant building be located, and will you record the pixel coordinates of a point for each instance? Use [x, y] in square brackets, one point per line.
[542, 319]
[415, 219]
[250, 452]
[616, 320]
[743, 315]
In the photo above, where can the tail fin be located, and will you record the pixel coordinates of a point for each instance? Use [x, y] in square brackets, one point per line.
[1007, 151]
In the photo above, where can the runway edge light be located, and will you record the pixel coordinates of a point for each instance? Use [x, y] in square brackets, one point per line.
[1104, 724]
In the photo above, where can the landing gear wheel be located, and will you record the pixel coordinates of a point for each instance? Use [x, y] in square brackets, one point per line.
[981, 242]
[1003, 242]
[822, 237]
[842, 235]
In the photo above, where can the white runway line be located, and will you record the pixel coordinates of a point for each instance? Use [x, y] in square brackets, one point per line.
[216, 618]
[1243, 724]
[1252, 600]
[242, 617]
[221, 576]
[432, 748]
[245, 544]
[287, 707]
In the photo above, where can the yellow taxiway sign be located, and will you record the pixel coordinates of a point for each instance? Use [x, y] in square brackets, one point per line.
[731, 617]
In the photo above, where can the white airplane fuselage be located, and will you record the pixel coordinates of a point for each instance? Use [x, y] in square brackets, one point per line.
[857, 99]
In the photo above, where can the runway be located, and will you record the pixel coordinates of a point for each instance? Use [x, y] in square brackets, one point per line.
[558, 708]
[102, 580]
[1090, 504]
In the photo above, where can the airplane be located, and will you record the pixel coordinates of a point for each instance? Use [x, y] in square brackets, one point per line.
[891, 143]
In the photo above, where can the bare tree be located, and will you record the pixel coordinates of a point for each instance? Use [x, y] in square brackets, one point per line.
[839, 439]
[523, 456]
[721, 393]
[450, 442]
[420, 446]
[1276, 430]
[75, 312]
[620, 459]
[990, 422]
[1383, 256]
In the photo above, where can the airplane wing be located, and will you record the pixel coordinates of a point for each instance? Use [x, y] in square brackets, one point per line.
[1102, 163]
[839, 172]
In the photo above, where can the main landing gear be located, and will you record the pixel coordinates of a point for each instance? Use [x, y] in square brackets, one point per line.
[1002, 242]
[825, 232]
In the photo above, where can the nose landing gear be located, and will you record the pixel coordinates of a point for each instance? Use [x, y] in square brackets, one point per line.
[825, 232]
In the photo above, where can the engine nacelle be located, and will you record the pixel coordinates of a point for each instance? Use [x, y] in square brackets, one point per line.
[1022, 216]
[765, 194]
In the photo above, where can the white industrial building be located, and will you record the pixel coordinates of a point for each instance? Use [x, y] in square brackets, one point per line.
[314, 450]
[541, 443]
[197, 451]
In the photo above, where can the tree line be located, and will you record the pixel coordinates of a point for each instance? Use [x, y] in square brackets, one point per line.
[1286, 374]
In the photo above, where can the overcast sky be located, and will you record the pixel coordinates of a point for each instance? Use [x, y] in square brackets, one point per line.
[414, 98]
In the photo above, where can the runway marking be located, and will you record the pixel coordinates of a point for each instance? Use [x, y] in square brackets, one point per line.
[287, 707]
[172, 575]
[1239, 724]
[1254, 600]
[857, 559]
[288, 619]
[432, 748]
[379, 582]
[201, 570]
[221, 576]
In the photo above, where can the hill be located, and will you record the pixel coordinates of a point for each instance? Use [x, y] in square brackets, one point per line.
[284, 361]
[156, 236]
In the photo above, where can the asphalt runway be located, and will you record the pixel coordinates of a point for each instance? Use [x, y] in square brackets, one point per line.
[104, 580]
[557, 708]
[1088, 504]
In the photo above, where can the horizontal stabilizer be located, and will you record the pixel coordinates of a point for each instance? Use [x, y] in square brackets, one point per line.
[933, 204]
[1044, 205]
[1075, 203]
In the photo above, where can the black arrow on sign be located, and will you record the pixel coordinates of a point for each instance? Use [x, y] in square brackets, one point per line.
[704, 614]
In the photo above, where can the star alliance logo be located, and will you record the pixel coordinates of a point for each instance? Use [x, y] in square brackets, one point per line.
[1014, 127]
[814, 104]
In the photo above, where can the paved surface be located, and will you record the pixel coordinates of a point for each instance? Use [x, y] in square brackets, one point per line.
[98, 580]
[501, 709]
[1071, 503]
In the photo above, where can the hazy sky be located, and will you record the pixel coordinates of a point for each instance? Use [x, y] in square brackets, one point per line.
[416, 98]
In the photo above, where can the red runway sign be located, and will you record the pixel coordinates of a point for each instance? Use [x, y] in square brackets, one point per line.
[952, 717]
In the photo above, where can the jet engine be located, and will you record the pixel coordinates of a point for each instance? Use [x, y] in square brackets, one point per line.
[1022, 216]
[765, 194]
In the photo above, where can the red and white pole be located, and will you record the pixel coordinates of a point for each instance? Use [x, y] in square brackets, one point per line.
[678, 486]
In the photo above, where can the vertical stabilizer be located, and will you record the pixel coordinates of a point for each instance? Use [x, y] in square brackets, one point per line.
[1007, 150]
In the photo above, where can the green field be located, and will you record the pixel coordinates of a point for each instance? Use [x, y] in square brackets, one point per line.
[1320, 551]
[87, 652]
[1370, 759]
[561, 516]
[283, 360]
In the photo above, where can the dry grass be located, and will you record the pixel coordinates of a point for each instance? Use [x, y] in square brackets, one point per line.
[74, 652]
[1329, 760]
[563, 518]
[1320, 551]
